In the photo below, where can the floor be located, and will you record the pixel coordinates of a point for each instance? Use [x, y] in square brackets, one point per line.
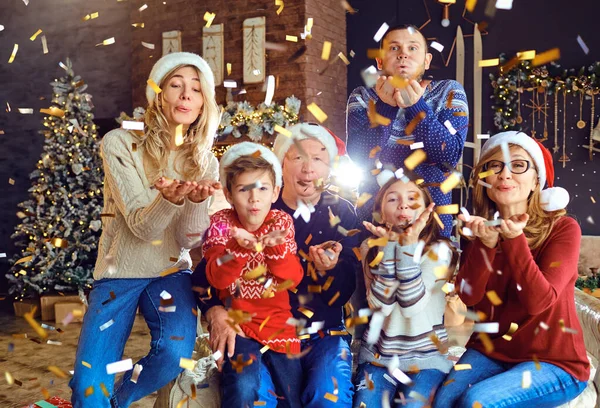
[28, 361]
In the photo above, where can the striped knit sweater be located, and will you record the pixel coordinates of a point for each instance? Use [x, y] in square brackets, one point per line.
[442, 101]
[269, 312]
[144, 234]
[413, 305]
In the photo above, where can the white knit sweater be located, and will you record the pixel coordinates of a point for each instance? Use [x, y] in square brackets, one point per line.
[147, 234]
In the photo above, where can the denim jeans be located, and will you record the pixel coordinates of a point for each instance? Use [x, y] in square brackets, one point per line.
[425, 382]
[173, 335]
[326, 360]
[494, 383]
[272, 377]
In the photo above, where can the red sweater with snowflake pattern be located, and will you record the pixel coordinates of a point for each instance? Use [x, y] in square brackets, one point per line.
[256, 296]
[536, 288]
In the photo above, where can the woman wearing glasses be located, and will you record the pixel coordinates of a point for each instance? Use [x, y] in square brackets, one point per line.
[518, 274]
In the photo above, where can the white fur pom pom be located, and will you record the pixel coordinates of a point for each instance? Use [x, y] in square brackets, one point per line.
[555, 198]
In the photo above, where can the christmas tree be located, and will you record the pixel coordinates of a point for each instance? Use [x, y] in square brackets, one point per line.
[60, 222]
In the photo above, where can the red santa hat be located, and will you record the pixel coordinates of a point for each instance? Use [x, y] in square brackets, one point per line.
[552, 198]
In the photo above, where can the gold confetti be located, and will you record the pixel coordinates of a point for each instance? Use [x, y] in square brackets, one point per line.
[45, 393]
[262, 325]
[493, 298]
[470, 5]
[181, 403]
[526, 55]
[375, 118]
[317, 112]
[461, 367]
[593, 200]
[381, 242]
[555, 264]
[487, 342]
[489, 62]
[343, 58]
[44, 45]
[153, 85]
[417, 157]
[58, 372]
[261, 403]
[108, 41]
[143, 7]
[53, 111]
[326, 50]
[89, 17]
[58, 242]
[448, 382]
[399, 82]
[447, 209]
[291, 38]
[24, 259]
[356, 321]
[33, 37]
[546, 57]
[9, 378]
[260, 270]
[264, 349]
[328, 283]
[138, 25]
[334, 298]
[209, 17]
[89, 391]
[362, 199]
[308, 239]
[450, 183]
[282, 130]
[511, 330]
[331, 397]
[229, 68]
[169, 271]
[306, 312]
[437, 219]
[376, 260]
[536, 362]
[357, 253]
[485, 174]
[374, 152]
[86, 364]
[477, 404]
[348, 7]
[373, 53]
[314, 288]
[280, 4]
[13, 55]
[460, 113]
[414, 123]
[179, 135]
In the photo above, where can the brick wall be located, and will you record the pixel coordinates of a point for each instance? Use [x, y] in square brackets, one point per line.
[300, 77]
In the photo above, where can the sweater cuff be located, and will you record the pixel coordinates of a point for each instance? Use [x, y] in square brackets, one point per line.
[386, 110]
[514, 248]
[162, 210]
[275, 252]
[405, 255]
[196, 212]
[420, 106]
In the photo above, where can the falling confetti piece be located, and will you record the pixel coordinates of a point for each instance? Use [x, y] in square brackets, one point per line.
[53, 111]
[138, 25]
[511, 330]
[526, 55]
[546, 57]
[209, 17]
[461, 367]
[58, 372]
[470, 5]
[153, 85]
[493, 297]
[381, 32]
[447, 209]
[280, 4]
[179, 135]
[437, 46]
[34, 36]
[489, 62]
[144, 7]
[326, 50]
[108, 41]
[416, 158]
[136, 373]
[148, 45]
[317, 112]
[14, 54]
[584, 47]
[450, 183]
[107, 325]
[86, 364]
[291, 38]
[343, 58]
[414, 123]
[331, 397]
[119, 366]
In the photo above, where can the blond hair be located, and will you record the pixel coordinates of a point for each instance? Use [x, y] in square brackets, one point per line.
[540, 222]
[197, 143]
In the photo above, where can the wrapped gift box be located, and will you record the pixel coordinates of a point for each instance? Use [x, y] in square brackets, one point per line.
[61, 310]
[49, 301]
[54, 402]
[27, 306]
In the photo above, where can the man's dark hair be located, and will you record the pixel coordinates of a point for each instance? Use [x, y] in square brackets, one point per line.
[408, 27]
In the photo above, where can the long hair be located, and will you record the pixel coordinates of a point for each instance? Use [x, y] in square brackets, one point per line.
[540, 222]
[431, 233]
[195, 150]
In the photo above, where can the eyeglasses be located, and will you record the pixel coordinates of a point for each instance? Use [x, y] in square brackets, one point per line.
[515, 166]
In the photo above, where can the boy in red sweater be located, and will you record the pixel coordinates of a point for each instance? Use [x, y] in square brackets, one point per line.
[251, 260]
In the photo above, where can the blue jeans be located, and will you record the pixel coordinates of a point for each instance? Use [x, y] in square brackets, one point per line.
[494, 383]
[173, 336]
[324, 361]
[425, 382]
[272, 377]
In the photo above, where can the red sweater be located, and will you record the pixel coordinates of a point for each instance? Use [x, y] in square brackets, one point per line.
[537, 289]
[282, 264]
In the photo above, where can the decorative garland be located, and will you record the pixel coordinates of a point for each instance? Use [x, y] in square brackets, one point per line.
[242, 119]
[510, 83]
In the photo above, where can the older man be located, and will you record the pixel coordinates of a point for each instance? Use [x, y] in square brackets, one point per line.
[322, 221]
[432, 114]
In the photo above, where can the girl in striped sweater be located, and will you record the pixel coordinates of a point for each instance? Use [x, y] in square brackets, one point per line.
[405, 265]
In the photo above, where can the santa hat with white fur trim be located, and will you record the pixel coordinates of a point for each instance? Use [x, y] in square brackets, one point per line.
[170, 61]
[248, 149]
[552, 198]
[303, 131]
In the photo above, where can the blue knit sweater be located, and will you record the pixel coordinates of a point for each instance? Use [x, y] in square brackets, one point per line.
[440, 145]
[344, 273]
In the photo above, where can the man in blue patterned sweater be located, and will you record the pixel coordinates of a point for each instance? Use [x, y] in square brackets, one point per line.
[402, 95]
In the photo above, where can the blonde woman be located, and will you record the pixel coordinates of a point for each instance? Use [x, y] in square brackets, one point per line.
[156, 197]
[520, 274]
